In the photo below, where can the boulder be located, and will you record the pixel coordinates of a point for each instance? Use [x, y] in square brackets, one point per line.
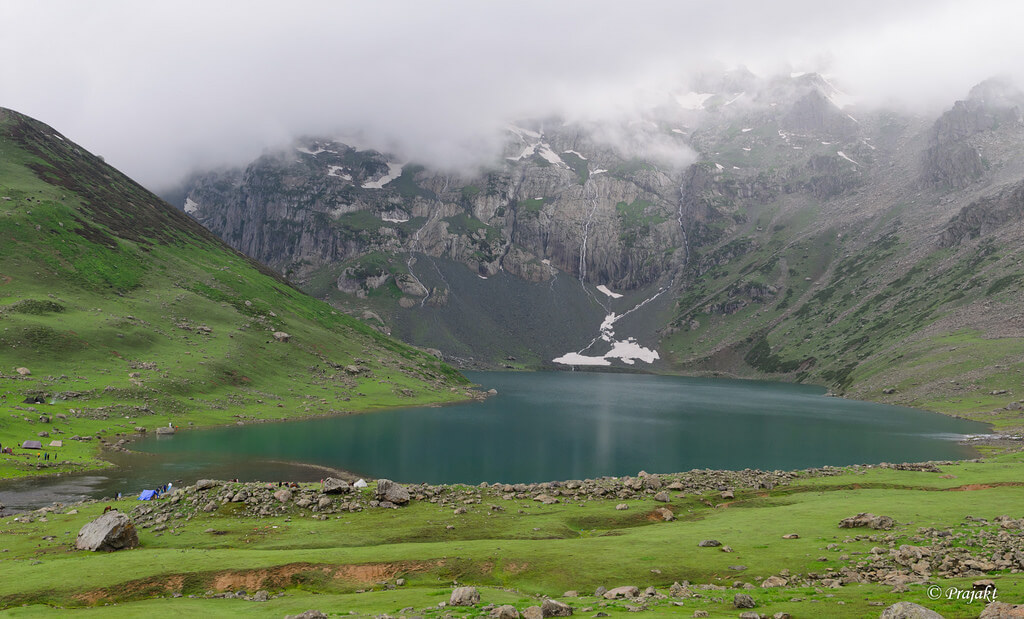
[504, 612]
[622, 592]
[111, 531]
[388, 490]
[622, 507]
[463, 596]
[281, 336]
[909, 610]
[333, 485]
[205, 484]
[309, 614]
[680, 591]
[554, 608]
[23, 371]
[662, 497]
[709, 543]
[864, 519]
[791, 536]
[546, 499]
[1002, 610]
[164, 430]
[665, 514]
[284, 495]
[532, 612]
[774, 581]
[742, 600]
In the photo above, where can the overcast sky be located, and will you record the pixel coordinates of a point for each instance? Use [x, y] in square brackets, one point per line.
[163, 87]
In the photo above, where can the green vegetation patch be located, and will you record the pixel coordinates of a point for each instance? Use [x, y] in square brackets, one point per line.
[406, 185]
[578, 165]
[35, 307]
[636, 220]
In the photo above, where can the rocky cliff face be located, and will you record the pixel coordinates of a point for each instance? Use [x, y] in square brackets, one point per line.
[953, 158]
[800, 236]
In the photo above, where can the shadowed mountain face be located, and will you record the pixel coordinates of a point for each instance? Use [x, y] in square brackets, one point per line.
[788, 233]
[112, 297]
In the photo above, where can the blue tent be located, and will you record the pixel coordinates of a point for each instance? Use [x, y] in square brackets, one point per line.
[147, 495]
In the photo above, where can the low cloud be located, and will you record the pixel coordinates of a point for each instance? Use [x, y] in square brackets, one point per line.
[161, 88]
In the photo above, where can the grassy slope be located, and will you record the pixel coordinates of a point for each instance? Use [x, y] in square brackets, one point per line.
[517, 554]
[140, 317]
[846, 317]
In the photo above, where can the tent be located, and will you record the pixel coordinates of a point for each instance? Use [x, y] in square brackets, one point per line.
[32, 445]
[147, 495]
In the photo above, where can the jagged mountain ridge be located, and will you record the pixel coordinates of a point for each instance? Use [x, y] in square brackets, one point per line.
[791, 183]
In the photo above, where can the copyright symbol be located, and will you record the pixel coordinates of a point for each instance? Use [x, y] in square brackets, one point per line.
[934, 592]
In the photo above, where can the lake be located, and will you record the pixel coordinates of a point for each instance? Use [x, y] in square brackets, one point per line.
[543, 426]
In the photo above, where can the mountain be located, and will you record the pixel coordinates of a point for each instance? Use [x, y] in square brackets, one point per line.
[756, 227]
[118, 311]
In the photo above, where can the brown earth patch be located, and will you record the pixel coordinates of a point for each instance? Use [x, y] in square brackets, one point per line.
[516, 568]
[91, 597]
[253, 580]
[285, 574]
[998, 484]
[5, 279]
[156, 584]
[970, 487]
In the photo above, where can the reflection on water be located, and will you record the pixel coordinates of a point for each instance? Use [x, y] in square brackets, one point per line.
[545, 426]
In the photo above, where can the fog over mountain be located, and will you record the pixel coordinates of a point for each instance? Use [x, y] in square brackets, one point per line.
[162, 88]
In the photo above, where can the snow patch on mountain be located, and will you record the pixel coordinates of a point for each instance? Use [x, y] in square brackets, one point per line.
[627, 350]
[551, 156]
[394, 171]
[527, 152]
[523, 133]
[693, 100]
[734, 99]
[604, 289]
[191, 206]
[303, 149]
[574, 358]
[574, 153]
[843, 155]
[337, 170]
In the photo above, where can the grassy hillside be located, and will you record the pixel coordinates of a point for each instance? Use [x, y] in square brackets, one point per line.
[876, 310]
[128, 314]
